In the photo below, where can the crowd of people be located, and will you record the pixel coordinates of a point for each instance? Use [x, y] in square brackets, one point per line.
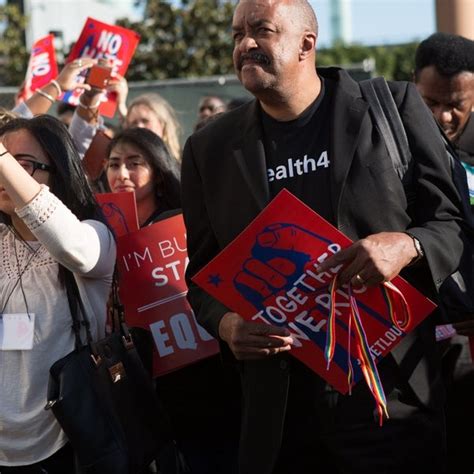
[254, 408]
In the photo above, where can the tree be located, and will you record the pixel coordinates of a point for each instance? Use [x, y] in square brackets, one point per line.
[13, 54]
[192, 39]
[394, 61]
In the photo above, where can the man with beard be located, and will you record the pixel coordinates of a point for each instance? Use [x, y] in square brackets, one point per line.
[292, 421]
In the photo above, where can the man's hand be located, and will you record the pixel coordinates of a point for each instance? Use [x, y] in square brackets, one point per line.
[373, 260]
[253, 340]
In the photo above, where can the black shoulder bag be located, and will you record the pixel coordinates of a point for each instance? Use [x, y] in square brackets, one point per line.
[103, 397]
[457, 292]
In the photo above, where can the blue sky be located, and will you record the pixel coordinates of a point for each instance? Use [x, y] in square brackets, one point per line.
[382, 21]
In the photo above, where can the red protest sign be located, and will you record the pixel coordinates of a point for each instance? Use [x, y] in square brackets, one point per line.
[120, 210]
[100, 40]
[268, 274]
[42, 66]
[152, 263]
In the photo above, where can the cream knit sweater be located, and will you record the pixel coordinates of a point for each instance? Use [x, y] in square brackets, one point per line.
[28, 433]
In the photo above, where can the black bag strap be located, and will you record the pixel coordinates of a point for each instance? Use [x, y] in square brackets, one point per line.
[387, 120]
[76, 307]
[117, 311]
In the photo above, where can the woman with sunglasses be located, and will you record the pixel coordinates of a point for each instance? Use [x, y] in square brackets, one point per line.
[50, 227]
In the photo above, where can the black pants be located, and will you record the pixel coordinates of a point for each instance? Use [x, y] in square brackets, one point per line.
[326, 432]
[61, 462]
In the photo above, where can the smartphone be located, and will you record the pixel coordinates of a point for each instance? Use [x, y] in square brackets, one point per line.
[98, 76]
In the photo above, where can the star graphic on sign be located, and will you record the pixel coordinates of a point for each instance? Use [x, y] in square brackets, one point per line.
[215, 280]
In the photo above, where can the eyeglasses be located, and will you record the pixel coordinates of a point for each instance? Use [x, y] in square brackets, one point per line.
[30, 166]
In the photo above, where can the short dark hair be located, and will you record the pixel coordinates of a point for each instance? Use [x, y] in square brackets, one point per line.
[449, 54]
[166, 169]
[69, 182]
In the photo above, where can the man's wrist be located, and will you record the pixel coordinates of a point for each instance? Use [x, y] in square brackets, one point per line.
[420, 254]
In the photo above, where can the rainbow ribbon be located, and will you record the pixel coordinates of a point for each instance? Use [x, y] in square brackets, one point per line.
[331, 324]
[368, 365]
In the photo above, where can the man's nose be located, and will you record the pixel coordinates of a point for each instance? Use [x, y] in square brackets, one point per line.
[444, 115]
[247, 44]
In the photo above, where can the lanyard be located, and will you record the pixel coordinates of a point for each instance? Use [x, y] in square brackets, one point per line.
[19, 279]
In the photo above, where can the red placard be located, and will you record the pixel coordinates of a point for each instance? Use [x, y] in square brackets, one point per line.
[100, 40]
[283, 246]
[120, 210]
[152, 263]
[42, 66]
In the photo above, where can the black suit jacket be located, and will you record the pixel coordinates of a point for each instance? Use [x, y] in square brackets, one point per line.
[225, 186]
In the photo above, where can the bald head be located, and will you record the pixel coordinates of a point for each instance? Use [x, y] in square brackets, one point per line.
[306, 15]
[303, 12]
[274, 50]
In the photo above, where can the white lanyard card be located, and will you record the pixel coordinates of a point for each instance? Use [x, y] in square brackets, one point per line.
[17, 331]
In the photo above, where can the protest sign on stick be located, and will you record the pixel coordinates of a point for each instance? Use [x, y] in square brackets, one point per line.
[269, 274]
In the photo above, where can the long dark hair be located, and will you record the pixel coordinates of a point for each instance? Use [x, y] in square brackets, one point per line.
[69, 182]
[165, 168]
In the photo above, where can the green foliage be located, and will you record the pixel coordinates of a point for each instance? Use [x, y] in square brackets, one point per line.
[192, 39]
[394, 61]
[13, 54]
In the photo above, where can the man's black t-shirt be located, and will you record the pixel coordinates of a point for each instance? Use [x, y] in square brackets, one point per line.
[297, 153]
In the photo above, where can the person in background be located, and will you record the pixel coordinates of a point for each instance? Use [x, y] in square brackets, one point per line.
[444, 76]
[154, 112]
[149, 111]
[51, 227]
[138, 161]
[196, 396]
[210, 105]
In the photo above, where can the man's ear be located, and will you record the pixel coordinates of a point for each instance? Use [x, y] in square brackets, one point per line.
[307, 45]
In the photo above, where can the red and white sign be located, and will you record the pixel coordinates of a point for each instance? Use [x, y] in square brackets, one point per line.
[42, 66]
[152, 263]
[269, 274]
[120, 210]
[100, 40]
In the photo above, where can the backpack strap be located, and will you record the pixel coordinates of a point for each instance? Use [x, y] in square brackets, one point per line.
[388, 122]
[390, 126]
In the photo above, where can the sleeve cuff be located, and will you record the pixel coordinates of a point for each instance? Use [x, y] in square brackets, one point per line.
[39, 209]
